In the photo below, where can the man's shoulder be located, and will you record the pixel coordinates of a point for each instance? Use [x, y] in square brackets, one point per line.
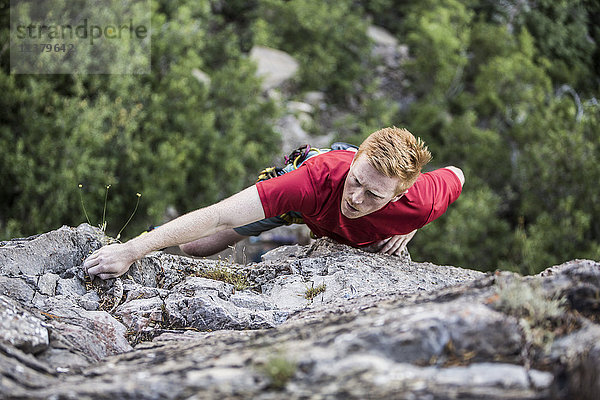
[333, 165]
[434, 186]
[333, 158]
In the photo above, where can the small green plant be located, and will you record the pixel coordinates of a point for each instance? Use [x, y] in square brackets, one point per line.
[312, 292]
[224, 274]
[279, 370]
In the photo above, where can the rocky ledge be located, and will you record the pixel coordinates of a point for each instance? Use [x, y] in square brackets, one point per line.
[312, 322]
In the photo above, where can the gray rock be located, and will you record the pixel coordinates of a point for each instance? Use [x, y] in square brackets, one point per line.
[252, 301]
[72, 287]
[54, 251]
[282, 252]
[293, 134]
[486, 376]
[47, 284]
[385, 46]
[299, 107]
[273, 66]
[315, 99]
[21, 329]
[576, 359]
[384, 327]
[90, 301]
[381, 37]
[208, 309]
[16, 288]
[22, 373]
[139, 314]
[95, 334]
[417, 334]
[201, 77]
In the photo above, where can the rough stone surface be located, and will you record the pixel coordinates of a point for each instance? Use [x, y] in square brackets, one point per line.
[384, 327]
[47, 284]
[20, 329]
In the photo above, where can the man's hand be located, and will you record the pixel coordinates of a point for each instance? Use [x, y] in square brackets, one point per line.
[395, 244]
[109, 261]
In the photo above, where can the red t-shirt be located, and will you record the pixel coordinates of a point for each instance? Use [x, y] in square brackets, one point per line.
[315, 190]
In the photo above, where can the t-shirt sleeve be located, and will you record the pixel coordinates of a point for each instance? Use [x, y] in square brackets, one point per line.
[292, 191]
[446, 189]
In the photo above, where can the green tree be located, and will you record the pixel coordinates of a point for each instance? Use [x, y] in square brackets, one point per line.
[560, 206]
[164, 135]
[438, 38]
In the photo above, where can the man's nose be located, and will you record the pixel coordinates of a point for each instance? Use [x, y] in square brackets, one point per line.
[357, 197]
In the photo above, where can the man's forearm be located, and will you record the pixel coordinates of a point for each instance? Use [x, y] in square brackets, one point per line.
[184, 229]
[239, 209]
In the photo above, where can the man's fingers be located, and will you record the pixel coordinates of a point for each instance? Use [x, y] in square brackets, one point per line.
[99, 272]
[95, 271]
[379, 245]
[90, 262]
[107, 262]
[103, 276]
[396, 244]
[391, 242]
[93, 259]
[397, 250]
[394, 247]
[387, 244]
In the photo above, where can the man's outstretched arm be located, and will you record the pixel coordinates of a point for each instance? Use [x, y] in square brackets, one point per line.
[240, 209]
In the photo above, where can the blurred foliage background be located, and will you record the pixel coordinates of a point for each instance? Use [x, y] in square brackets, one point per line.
[507, 90]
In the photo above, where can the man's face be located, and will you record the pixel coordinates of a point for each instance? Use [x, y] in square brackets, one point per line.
[366, 190]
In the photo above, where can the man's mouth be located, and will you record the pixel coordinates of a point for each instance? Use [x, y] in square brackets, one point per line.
[350, 206]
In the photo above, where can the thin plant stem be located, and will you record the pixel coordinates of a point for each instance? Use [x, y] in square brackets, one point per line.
[131, 216]
[104, 210]
[83, 205]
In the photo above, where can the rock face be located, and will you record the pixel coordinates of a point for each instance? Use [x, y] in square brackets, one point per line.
[320, 321]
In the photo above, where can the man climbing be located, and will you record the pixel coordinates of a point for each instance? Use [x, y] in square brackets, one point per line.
[375, 197]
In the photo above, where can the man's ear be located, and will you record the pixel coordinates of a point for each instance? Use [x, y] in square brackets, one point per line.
[399, 196]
